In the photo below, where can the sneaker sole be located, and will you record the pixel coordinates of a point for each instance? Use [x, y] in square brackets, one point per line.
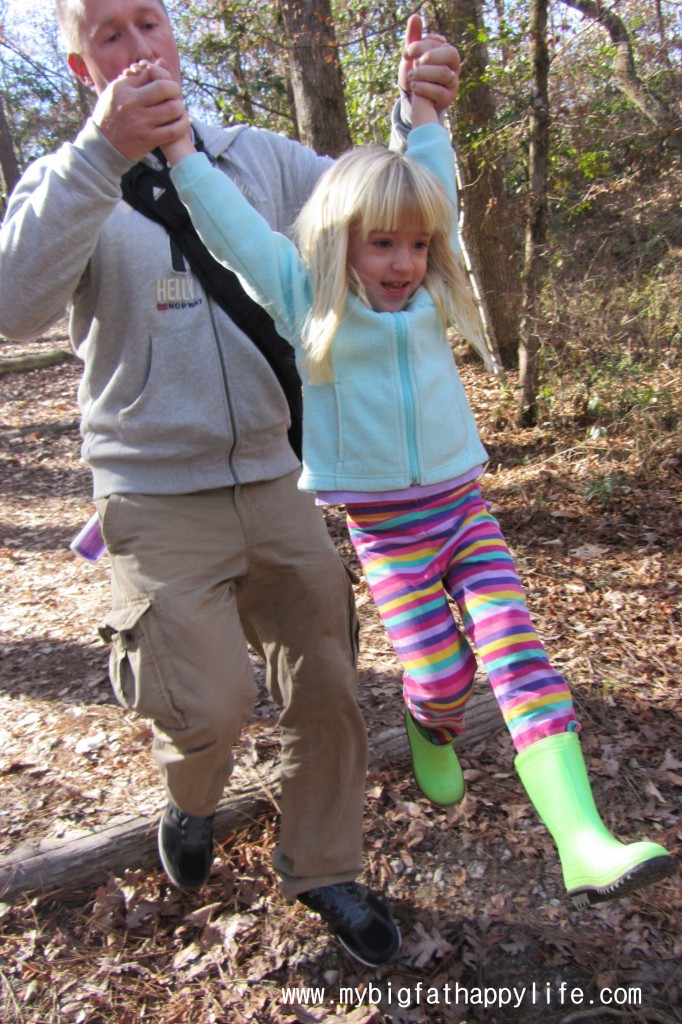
[371, 963]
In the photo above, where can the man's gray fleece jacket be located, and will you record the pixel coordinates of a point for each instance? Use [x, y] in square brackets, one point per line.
[174, 398]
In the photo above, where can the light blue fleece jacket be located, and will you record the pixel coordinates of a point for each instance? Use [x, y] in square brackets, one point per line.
[395, 413]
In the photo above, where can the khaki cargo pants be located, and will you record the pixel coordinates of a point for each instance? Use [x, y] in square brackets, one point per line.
[193, 578]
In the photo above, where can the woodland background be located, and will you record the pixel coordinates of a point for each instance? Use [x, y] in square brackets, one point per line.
[568, 139]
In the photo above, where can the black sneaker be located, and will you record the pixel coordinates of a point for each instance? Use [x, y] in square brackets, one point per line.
[359, 919]
[185, 847]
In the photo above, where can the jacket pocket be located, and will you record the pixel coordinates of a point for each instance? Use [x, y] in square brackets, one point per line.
[134, 662]
[181, 405]
[371, 435]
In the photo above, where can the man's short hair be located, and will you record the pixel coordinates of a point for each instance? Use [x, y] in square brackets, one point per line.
[69, 15]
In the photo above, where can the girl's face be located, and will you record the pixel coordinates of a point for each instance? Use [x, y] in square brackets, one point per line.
[391, 265]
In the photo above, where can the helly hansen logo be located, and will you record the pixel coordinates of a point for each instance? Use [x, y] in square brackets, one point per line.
[176, 293]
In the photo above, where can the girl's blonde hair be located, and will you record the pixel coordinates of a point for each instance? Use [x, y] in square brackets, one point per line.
[374, 189]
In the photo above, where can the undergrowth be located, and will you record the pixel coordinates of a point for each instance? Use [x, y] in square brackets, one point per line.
[611, 333]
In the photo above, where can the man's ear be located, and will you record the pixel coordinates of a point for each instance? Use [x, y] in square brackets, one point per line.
[80, 70]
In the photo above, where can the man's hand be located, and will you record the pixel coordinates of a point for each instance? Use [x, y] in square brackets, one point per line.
[140, 110]
[429, 66]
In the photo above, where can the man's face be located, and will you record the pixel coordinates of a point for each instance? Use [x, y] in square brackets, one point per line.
[116, 33]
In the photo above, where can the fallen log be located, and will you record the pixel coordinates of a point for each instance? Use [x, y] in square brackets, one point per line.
[131, 842]
[39, 429]
[125, 842]
[483, 717]
[34, 361]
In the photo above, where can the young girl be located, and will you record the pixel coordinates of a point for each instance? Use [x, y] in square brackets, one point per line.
[389, 433]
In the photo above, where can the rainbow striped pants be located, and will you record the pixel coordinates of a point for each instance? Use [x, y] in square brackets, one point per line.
[416, 554]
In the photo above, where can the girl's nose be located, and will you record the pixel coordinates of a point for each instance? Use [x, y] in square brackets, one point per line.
[402, 257]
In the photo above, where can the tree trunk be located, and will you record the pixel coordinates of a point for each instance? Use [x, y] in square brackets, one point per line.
[535, 254]
[488, 225]
[9, 167]
[625, 75]
[316, 76]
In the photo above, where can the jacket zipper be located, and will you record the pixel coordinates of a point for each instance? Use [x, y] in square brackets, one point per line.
[410, 418]
[228, 401]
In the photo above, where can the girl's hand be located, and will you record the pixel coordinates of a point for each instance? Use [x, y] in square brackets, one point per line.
[429, 67]
[141, 73]
[141, 110]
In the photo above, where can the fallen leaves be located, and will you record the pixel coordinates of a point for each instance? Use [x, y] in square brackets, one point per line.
[361, 1015]
[476, 888]
[425, 944]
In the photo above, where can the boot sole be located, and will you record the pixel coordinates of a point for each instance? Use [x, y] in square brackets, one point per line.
[641, 875]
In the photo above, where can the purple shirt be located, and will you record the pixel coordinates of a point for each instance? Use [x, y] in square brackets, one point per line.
[406, 494]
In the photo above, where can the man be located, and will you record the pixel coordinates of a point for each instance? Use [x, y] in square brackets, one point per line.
[185, 430]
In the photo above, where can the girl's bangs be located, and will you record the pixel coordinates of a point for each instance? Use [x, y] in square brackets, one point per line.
[402, 199]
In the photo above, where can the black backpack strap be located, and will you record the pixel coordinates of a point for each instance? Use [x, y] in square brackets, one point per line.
[151, 192]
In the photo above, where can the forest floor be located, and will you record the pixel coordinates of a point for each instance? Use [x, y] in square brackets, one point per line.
[595, 523]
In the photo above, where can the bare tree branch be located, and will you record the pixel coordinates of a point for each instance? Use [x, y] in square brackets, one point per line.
[625, 73]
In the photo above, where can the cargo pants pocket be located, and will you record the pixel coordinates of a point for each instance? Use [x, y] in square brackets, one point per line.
[134, 663]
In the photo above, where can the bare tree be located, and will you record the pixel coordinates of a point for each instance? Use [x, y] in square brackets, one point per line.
[9, 167]
[489, 227]
[535, 250]
[625, 74]
[315, 74]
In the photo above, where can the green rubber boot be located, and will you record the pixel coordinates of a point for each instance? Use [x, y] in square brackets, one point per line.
[436, 768]
[596, 867]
